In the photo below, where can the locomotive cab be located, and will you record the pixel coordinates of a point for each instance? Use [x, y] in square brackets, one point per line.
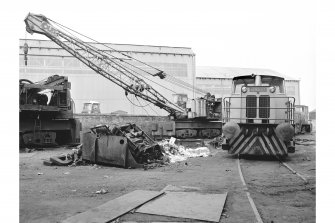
[256, 92]
[258, 116]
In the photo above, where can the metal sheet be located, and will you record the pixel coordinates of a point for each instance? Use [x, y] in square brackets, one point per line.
[114, 208]
[89, 146]
[112, 150]
[206, 207]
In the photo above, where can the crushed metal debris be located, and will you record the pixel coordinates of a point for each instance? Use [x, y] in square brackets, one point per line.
[73, 158]
[126, 146]
[177, 153]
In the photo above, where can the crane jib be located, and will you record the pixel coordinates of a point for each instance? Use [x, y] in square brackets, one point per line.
[113, 68]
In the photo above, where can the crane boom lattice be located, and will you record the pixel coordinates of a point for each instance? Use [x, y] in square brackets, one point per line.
[119, 69]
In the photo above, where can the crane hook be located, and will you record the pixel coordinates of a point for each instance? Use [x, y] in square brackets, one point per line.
[25, 51]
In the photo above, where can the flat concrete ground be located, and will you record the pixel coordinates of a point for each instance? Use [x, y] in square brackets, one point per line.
[280, 196]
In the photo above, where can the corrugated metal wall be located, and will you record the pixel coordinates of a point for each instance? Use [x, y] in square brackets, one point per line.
[87, 85]
[46, 58]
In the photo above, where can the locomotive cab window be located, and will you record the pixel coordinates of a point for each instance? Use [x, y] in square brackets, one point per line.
[258, 80]
[274, 81]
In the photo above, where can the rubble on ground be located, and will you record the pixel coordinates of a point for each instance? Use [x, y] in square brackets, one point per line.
[73, 158]
[178, 153]
[143, 149]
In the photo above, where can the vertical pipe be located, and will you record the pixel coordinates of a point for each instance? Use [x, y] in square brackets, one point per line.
[193, 74]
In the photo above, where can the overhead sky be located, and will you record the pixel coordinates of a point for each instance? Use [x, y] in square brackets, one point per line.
[278, 35]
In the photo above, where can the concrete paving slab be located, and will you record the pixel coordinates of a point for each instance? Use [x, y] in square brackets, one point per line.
[206, 207]
[114, 208]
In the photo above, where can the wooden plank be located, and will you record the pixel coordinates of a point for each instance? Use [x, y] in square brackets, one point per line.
[191, 205]
[114, 208]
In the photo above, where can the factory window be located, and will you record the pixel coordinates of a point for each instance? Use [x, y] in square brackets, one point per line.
[290, 90]
[53, 62]
[71, 62]
[206, 85]
[227, 83]
[217, 93]
[21, 61]
[226, 90]
[174, 69]
[72, 71]
[216, 89]
[35, 61]
[44, 71]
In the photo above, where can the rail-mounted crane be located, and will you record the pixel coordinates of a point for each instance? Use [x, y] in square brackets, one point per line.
[46, 113]
[201, 119]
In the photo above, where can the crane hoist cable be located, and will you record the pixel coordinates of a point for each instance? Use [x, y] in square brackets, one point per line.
[153, 110]
[143, 107]
[109, 48]
[189, 86]
[136, 104]
[128, 69]
[101, 62]
[173, 81]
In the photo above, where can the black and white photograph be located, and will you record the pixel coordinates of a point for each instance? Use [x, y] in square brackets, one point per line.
[167, 111]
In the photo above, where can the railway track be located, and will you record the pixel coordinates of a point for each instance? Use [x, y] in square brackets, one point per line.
[256, 211]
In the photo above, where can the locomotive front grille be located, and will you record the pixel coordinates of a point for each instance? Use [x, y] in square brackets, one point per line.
[251, 106]
[264, 106]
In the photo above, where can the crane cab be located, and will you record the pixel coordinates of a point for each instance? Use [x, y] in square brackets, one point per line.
[258, 116]
[91, 107]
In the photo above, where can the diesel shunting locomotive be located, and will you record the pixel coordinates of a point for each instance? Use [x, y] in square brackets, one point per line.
[258, 117]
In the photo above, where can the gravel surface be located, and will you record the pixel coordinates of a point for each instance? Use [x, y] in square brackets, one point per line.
[52, 194]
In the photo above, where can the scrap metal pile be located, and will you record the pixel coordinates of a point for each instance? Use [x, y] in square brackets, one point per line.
[177, 153]
[127, 146]
[143, 148]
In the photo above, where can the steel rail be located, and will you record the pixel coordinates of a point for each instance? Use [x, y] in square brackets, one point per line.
[245, 187]
[251, 201]
[292, 170]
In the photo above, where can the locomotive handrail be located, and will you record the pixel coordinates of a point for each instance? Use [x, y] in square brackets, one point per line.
[261, 95]
[256, 107]
[290, 108]
[263, 119]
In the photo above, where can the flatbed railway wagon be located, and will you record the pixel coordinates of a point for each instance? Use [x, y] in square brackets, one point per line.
[258, 117]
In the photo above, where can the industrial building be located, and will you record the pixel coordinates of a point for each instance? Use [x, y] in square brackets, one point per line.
[45, 58]
[217, 80]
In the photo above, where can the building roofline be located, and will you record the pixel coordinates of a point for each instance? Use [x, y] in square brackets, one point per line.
[231, 72]
[124, 44]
